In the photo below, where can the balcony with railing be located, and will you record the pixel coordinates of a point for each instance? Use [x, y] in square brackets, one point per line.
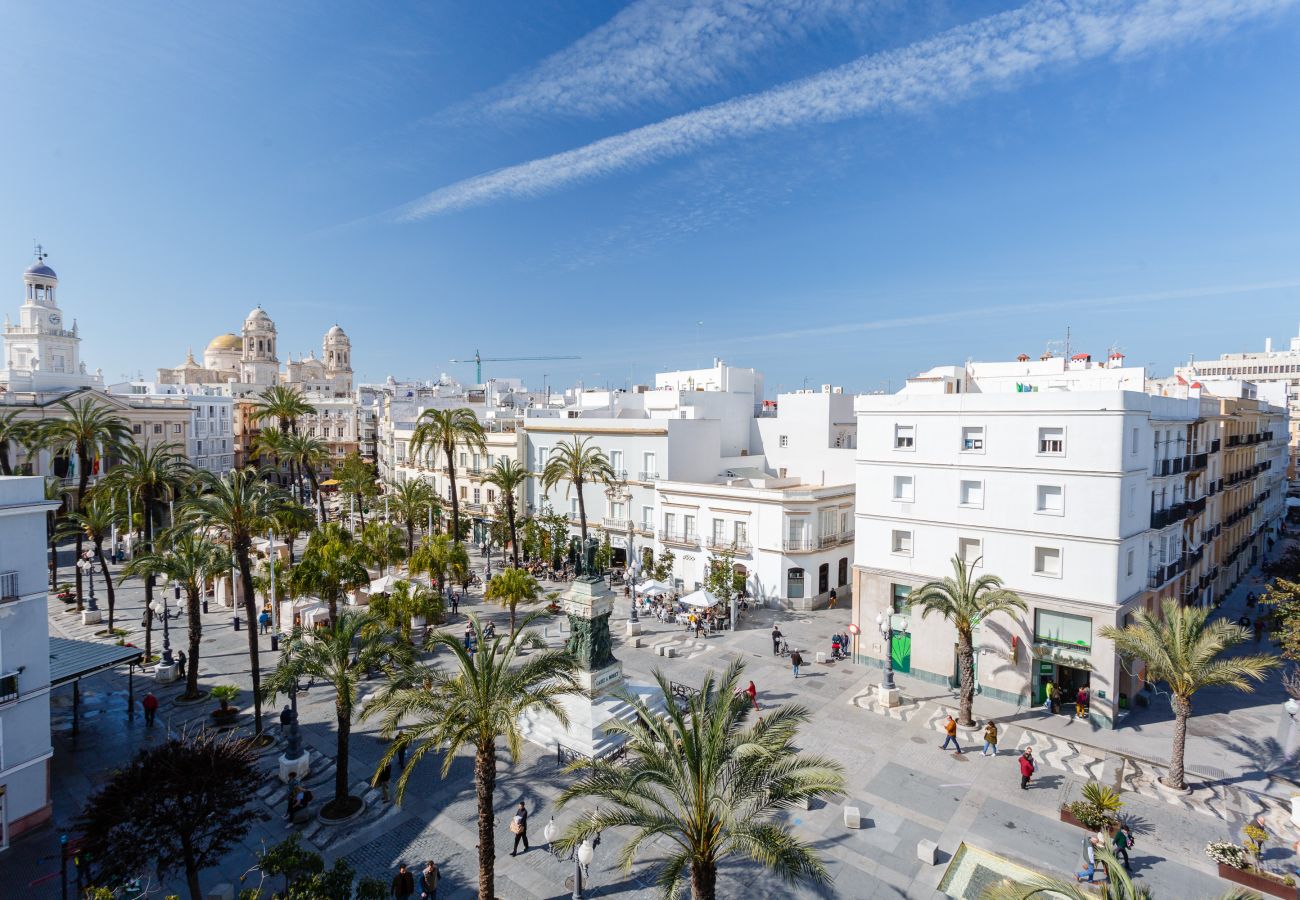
[1215, 445]
[619, 474]
[722, 542]
[679, 536]
[616, 524]
[647, 476]
[798, 544]
[8, 586]
[1196, 506]
[846, 537]
[8, 687]
[1200, 461]
[828, 540]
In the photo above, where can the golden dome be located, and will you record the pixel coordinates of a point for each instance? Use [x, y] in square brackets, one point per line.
[226, 342]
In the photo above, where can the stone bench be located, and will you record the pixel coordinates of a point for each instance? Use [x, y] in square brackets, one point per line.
[821, 656]
[852, 817]
[667, 650]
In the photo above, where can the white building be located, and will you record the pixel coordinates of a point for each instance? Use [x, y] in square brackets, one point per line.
[25, 749]
[210, 443]
[1087, 495]
[42, 353]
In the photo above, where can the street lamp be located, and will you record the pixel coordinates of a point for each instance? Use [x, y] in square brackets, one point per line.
[294, 750]
[886, 626]
[583, 854]
[159, 607]
[549, 833]
[87, 566]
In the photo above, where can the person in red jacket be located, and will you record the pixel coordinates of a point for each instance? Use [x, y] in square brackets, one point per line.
[150, 704]
[1026, 768]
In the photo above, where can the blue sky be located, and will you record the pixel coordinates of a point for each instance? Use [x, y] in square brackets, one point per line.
[842, 191]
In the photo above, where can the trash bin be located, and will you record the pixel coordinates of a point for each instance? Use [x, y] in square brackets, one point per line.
[235, 621]
[275, 641]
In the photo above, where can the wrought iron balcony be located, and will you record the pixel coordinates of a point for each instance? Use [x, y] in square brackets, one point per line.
[679, 536]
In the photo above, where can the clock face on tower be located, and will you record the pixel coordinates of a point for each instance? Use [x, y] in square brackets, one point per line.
[54, 319]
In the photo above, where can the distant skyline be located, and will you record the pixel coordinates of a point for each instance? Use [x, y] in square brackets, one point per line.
[843, 191]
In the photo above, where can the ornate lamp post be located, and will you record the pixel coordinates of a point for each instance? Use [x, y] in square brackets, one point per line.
[583, 854]
[87, 566]
[159, 607]
[889, 693]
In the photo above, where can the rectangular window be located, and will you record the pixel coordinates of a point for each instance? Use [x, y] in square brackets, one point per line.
[616, 461]
[688, 525]
[903, 488]
[901, 542]
[492, 496]
[970, 550]
[972, 494]
[135, 429]
[794, 584]
[647, 517]
[1133, 444]
[464, 457]
[972, 439]
[794, 531]
[719, 529]
[904, 437]
[157, 429]
[1047, 561]
[542, 455]
[478, 495]
[785, 440]
[464, 492]
[670, 522]
[1128, 567]
[742, 534]
[1051, 499]
[898, 598]
[1051, 441]
[616, 510]
[826, 522]
[1063, 629]
[573, 507]
[651, 473]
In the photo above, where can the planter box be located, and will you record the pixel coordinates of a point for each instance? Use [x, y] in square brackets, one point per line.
[1069, 818]
[1257, 881]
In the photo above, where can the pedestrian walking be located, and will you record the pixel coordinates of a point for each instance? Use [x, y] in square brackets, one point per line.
[403, 883]
[1089, 861]
[776, 640]
[382, 778]
[991, 739]
[180, 664]
[752, 692]
[427, 881]
[519, 828]
[1259, 629]
[1047, 698]
[796, 661]
[150, 705]
[455, 603]
[1121, 842]
[1027, 767]
[1081, 703]
[294, 798]
[950, 728]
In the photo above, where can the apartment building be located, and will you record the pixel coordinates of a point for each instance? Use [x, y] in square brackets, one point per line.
[25, 749]
[1089, 493]
[210, 437]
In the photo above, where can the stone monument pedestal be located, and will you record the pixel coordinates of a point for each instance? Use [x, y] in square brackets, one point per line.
[889, 697]
[588, 604]
[91, 617]
[167, 674]
[633, 629]
[300, 766]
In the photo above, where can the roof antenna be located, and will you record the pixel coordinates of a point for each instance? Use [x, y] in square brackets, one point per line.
[40, 251]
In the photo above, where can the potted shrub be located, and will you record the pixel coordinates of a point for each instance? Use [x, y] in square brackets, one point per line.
[1096, 811]
[1235, 866]
[225, 713]
[553, 602]
[66, 593]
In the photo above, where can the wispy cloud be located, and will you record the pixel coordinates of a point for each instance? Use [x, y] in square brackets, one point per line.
[995, 52]
[656, 51]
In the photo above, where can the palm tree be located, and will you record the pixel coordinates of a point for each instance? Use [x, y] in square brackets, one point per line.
[282, 403]
[151, 475]
[332, 564]
[269, 450]
[440, 558]
[578, 462]
[13, 430]
[96, 524]
[242, 505]
[479, 699]
[408, 600]
[190, 559]
[411, 501]
[710, 782]
[89, 432]
[1119, 885]
[357, 477]
[507, 476]
[54, 490]
[290, 521]
[1183, 650]
[341, 654]
[445, 430]
[965, 601]
[308, 454]
[383, 545]
[512, 587]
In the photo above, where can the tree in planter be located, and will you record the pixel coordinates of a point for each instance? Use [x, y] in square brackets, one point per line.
[511, 588]
[577, 462]
[1118, 886]
[1183, 650]
[508, 477]
[965, 601]
[717, 797]
[442, 431]
[86, 431]
[332, 564]
[180, 805]
[1098, 808]
[223, 694]
[478, 700]
[341, 655]
[189, 559]
[409, 600]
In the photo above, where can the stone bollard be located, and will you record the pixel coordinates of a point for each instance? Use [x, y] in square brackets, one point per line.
[852, 817]
[927, 852]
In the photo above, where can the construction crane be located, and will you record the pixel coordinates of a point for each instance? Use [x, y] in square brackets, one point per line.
[479, 360]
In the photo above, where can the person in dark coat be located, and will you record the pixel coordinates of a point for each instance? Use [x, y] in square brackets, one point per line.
[776, 640]
[150, 705]
[519, 825]
[403, 883]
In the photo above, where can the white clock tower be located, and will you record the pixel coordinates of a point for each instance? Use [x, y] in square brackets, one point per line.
[43, 352]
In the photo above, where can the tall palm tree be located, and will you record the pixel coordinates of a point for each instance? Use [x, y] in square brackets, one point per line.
[332, 564]
[440, 558]
[1181, 649]
[507, 476]
[269, 450]
[96, 524]
[444, 430]
[282, 403]
[709, 781]
[341, 655]
[242, 505]
[512, 587]
[152, 475]
[54, 490]
[578, 462]
[190, 559]
[1119, 885]
[89, 431]
[965, 601]
[478, 700]
[357, 478]
[290, 521]
[383, 545]
[309, 455]
[13, 430]
[412, 502]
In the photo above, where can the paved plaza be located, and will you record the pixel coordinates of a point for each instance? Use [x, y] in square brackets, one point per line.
[906, 788]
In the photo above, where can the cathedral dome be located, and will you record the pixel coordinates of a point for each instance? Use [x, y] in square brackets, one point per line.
[226, 342]
[258, 318]
[40, 268]
[335, 332]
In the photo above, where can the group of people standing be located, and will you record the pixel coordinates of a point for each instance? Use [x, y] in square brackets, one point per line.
[1058, 697]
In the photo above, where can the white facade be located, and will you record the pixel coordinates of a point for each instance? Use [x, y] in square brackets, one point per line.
[42, 353]
[25, 749]
[210, 443]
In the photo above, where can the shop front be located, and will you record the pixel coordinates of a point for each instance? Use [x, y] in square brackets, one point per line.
[1061, 650]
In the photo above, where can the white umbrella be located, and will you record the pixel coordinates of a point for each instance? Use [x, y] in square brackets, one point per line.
[651, 588]
[702, 599]
[383, 585]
